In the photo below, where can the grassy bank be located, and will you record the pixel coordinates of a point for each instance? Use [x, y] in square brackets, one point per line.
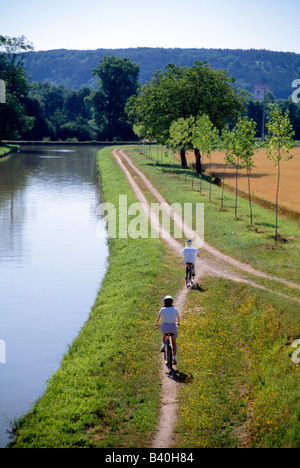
[7, 149]
[243, 388]
[107, 390]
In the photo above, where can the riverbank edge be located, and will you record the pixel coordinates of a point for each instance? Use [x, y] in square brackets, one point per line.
[106, 392]
[66, 143]
[7, 149]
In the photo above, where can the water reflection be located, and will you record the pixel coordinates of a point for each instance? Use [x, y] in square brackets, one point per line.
[51, 265]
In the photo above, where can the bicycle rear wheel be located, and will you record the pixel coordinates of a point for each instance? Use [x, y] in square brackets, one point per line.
[169, 356]
[188, 277]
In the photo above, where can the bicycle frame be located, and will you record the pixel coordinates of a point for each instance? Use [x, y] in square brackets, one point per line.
[168, 353]
[188, 275]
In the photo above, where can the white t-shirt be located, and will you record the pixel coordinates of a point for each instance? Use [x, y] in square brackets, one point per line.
[189, 254]
[169, 314]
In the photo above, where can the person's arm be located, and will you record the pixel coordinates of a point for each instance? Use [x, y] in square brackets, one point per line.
[158, 320]
[178, 319]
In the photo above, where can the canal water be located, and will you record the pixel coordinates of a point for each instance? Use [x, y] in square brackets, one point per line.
[52, 263]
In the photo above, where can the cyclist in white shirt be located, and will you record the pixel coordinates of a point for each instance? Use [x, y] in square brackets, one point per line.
[170, 320]
[189, 253]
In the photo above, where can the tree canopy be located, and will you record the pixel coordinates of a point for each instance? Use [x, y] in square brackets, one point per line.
[118, 80]
[183, 92]
[13, 118]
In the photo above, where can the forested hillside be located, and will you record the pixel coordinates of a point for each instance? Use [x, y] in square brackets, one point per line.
[72, 68]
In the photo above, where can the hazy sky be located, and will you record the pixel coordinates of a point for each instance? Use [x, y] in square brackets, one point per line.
[95, 24]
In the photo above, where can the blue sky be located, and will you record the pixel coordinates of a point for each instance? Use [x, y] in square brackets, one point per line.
[93, 24]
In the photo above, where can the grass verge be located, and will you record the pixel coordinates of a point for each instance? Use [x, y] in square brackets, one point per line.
[107, 390]
[5, 150]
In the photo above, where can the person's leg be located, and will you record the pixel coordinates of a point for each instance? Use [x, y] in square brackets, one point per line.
[174, 345]
[163, 343]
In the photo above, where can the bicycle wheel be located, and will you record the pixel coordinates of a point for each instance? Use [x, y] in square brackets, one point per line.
[188, 277]
[169, 356]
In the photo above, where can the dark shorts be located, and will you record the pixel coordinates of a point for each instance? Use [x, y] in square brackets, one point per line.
[169, 328]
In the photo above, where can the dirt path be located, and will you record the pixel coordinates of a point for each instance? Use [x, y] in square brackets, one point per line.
[218, 265]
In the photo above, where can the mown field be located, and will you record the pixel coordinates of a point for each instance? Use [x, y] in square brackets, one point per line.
[263, 177]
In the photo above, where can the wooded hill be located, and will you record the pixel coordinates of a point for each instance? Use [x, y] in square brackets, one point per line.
[73, 68]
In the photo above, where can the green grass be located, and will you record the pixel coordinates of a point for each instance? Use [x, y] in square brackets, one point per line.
[7, 149]
[253, 245]
[243, 386]
[107, 390]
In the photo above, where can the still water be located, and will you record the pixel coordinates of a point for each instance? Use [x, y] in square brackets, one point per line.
[51, 266]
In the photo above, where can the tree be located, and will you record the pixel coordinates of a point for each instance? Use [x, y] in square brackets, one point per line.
[240, 146]
[181, 137]
[181, 93]
[117, 82]
[205, 138]
[13, 119]
[278, 145]
[245, 131]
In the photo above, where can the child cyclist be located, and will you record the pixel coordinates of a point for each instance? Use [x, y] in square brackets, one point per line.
[189, 253]
[170, 320]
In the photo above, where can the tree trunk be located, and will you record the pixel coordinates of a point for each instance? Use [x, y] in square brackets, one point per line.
[277, 197]
[183, 158]
[198, 161]
[250, 201]
[236, 190]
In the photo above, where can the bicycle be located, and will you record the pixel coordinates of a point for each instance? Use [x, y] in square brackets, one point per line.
[189, 277]
[168, 352]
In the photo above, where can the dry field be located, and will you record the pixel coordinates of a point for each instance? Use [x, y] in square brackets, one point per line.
[263, 178]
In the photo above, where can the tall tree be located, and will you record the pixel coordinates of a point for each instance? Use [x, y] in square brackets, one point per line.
[279, 143]
[181, 137]
[183, 92]
[118, 80]
[205, 139]
[13, 119]
[232, 156]
[240, 146]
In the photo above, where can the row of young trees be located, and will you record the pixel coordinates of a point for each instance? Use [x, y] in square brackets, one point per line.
[239, 144]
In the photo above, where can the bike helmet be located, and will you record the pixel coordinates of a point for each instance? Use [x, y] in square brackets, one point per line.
[189, 242]
[168, 300]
